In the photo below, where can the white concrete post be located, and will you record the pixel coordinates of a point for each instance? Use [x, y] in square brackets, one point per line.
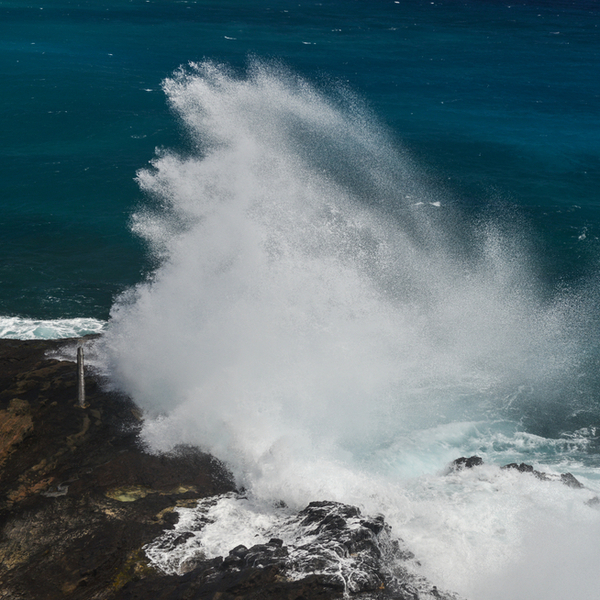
[80, 377]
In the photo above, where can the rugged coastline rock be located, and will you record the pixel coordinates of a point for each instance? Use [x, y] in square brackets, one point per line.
[475, 461]
[327, 544]
[78, 496]
[81, 504]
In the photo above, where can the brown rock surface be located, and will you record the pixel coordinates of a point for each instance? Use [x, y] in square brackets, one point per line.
[78, 496]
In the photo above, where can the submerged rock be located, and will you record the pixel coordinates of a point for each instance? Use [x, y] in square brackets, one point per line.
[476, 461]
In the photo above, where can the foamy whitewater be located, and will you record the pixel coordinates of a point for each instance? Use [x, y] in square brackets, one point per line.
[333, 330]
[20, 328]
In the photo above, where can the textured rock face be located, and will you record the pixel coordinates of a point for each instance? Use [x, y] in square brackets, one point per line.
[78, 497]
[327, 543]
[465, 463]
[15, 425]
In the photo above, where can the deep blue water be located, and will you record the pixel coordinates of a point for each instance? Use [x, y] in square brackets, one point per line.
[497, 102]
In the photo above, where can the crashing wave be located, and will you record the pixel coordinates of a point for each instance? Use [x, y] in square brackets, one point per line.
[330, 542]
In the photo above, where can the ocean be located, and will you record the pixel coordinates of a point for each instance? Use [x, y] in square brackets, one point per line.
[336, 244]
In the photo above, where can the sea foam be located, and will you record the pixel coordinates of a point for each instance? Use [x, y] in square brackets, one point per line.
[20, 328]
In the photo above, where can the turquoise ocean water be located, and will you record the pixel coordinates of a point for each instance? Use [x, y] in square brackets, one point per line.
[381, 216]
[496, 103]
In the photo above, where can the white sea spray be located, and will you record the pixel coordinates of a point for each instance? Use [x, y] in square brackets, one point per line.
[332, 329]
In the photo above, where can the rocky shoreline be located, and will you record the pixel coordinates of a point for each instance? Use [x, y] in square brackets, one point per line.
[86, 514]
[78, 496]
[80, 501]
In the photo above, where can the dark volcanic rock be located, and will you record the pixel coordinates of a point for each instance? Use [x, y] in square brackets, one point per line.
[78, 497]
[465, 463]
[248, 584]
[524, 468]
[328, 550]
[566, 478]
[570, 480]
[475, 461]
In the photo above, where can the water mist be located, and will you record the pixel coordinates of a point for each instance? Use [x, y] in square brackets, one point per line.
[329, 327]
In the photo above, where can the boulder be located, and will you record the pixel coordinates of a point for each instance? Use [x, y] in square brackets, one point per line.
[463, 462]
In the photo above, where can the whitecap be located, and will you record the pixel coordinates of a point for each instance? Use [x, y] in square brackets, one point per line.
[21, 328]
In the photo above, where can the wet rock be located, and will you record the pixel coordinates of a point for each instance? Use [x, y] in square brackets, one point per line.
[322, 515]
[239, 551]
[565, 478]
[570, 480]
[525, 468]
[276, 542]
[200, 564]
[465, 463]
[329, 544]
[475, 461]
[263, 555]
